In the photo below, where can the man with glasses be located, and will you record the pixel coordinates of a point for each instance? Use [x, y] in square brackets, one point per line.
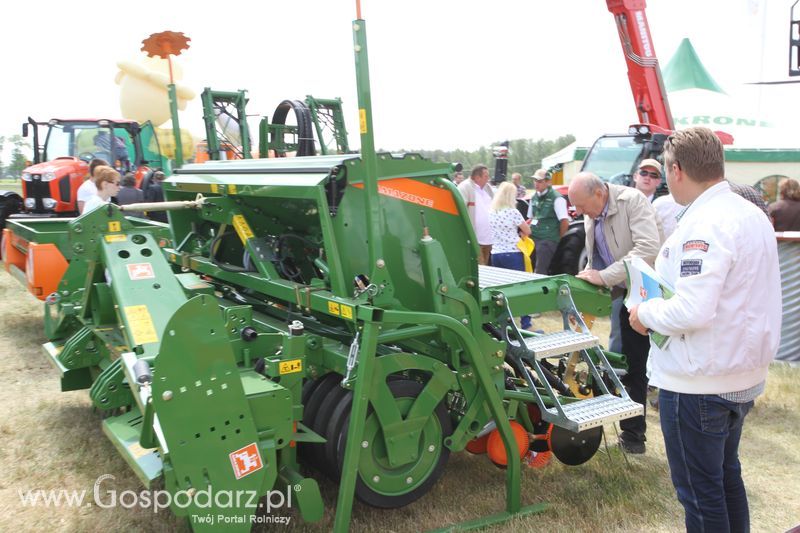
[724, 323]
[648, 177]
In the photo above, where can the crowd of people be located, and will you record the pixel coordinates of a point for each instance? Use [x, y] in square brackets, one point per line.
[104, 184]
[714, 242]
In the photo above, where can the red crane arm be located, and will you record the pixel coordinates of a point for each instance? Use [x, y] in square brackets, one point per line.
[644, 73]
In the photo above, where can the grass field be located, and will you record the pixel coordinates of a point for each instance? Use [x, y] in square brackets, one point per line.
[53, 440]
[11, 185]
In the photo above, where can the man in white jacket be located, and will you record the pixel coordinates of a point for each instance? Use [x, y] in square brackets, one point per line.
[724, 325]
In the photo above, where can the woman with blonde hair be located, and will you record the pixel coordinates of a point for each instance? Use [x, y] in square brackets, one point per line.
[507, 227]
[785, 213]
[107, 181]
[87, 188]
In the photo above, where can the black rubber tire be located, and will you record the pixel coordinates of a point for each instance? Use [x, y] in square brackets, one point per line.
[316, 452]
[567, 257]
[147, 179]
[401, 389]
[10, 204]
[308, 388]
[305, 128]
[312, 406]
[334, 434]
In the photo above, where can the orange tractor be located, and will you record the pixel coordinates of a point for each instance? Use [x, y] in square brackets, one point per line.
[61, 162]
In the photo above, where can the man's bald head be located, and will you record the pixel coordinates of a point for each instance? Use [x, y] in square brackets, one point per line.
[588, 193]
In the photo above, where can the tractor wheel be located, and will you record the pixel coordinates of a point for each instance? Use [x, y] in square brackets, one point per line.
[308, 388]
[570, 256]
[313, 405]
[316, 452]
[336, 437]
[378, 483]
[10, 204]
[334, 434]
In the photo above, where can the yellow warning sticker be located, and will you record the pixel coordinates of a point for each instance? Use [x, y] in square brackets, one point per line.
[362, 120]
[244, 231]
[347, 311]
[333, 308]
[141, 324]
[114, 225]
[214, 187]
[290, 367]
[116, 238]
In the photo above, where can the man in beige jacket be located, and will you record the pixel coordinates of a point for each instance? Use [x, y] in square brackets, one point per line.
[620, 223]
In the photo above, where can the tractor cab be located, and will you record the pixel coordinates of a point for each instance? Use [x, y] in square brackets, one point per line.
[615, 158]
[61, 162]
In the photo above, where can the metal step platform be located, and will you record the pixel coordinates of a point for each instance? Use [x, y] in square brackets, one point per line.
[489, 276]
[559, 408]
[595, 412]
[562, 342]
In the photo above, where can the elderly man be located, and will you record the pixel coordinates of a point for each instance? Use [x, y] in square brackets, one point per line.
[478, 195]
[620, 223]
[724, 323]
[549, 220]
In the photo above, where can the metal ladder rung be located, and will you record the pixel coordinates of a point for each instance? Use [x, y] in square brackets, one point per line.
[559, 343]
[489, 276]
[598, 411]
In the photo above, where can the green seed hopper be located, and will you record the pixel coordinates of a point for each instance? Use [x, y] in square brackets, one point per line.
[320, 310]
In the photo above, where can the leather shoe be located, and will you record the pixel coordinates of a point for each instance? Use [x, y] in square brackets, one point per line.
[632, 446]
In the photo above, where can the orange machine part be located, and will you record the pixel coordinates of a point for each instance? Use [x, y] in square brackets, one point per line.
[477, 446]
[496, 450]
[539, 459]
[44, 269]
[11, 256]
[201, 152]
[140, 174]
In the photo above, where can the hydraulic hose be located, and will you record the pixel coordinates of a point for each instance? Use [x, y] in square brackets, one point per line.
[305, 127]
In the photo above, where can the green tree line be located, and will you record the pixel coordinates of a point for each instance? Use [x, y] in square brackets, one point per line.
[18, 160]
[525, 155]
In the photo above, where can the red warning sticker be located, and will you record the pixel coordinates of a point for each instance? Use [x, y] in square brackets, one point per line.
[246, 461]
[137, 271]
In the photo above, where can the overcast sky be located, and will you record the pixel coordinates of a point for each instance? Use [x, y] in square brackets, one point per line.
[445, 74]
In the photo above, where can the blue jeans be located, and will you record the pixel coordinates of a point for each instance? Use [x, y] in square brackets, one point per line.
[701, 433]
[512, 261]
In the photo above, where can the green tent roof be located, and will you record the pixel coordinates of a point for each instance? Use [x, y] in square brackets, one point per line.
[685, 71]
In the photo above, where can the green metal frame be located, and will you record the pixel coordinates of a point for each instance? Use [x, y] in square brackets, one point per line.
[328, 120]
[234, 104]
[204, 302]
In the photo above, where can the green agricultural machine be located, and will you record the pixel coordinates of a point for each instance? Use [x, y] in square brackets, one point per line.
[324, 310]
[228, 133]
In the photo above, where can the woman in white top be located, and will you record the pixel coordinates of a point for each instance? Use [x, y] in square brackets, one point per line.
[106, 179]
[88, 188]
[507, 226]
